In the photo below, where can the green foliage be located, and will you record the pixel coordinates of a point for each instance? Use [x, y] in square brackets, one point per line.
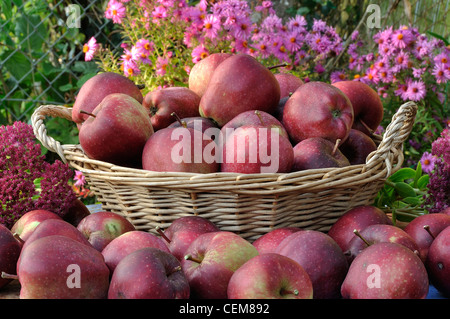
[403, 194]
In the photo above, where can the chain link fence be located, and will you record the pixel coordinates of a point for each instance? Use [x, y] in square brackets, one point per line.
[41, 58]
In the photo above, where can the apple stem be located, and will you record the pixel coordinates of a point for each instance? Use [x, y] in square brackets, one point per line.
[427, 228]
[277, 66]
[16, 236]
[289, 292]
[160, 231]
[336, 145]
[183, 123]
[87, 113]
[367, 127]
[356, 232]
[258, 114]
[191, 258]
[177, 268]
[9, 276]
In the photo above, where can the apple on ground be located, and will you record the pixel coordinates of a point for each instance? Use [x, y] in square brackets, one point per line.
[161, 103]
[386, 271]
[59, 267]
[211, 260]
[125, 244]
[51, 227]
[379, 233]
[357, 147]
[76, 212]
[320, 257]
[149, 273]
[318, 152]
[367, 106]
[268, 242]
[358, 218]
[424, 229]
[202, 71]
[180, 149]
[270, 276]
[318, 109]
[252, 149]
[183, 231]
[102, 227]
[116, 131]
[10, 249]
[438, 262]
[94, 90]
[288, 83]
[240, 83]
[27, 223]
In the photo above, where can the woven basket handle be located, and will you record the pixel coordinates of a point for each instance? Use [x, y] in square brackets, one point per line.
[37, 121]
[395, 135]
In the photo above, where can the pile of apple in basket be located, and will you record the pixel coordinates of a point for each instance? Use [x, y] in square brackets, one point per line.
[235, 116]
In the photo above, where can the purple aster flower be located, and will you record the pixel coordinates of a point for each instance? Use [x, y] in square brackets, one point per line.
[441, 73]
[416, 90]
[427, 161]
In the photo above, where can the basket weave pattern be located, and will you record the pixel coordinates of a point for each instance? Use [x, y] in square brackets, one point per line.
[247, 204]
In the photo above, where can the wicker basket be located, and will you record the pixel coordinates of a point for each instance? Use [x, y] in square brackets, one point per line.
[247, 204]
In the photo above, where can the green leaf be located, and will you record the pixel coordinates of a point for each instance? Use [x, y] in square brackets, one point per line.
[31, 31]
[66, 87]
[418, 173]
[415, 201]
[440, 37]
[404, 190]
[18, 64]
[423, 182]
[403, 174]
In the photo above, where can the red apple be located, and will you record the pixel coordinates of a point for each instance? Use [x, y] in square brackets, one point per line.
[356, 218]
[270, 276]
[317, 152]
[10, 249]
[161, 103]
[379, 233]
[202, 71]
[212, 259]
[116, 131]
[446, 211]
[256, 149]
[268, 242]
[125, 244]
[198, 123]
[76, 212]
[321, 258]
[386, 271]
[438, 262]
[149, 273]
[318, 109]
[424, 229]
[367, 106]
[26, 224]
[102, 227]
[183, 231]
[357, 147]
[288, 83]
[94, 90]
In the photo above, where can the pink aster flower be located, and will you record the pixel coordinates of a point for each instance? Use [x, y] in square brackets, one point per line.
[159, 13]
[140, 55]
[130, 68]
[199, 53]
[297, 23]
[211, 26]
[161, 65]
[401, 38]
[89, 49]
[115, 11]
[441, 72]
[427, 162]
[416, 90]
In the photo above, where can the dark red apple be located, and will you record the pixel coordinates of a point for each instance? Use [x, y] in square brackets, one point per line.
[424, 229]
[26, 224]
[386, 271]
[94, 90]
[149, 273]
[270, 276]
[318, 109]
[268, 242]
[10, 249]
[198, 123]
[183, 231]
[161, 103]
[101, 228]
[357, 147]
[356, 218]
[77, 211]
[288, 83]
[438, 262]
[317, 152]
[367, 106]
[321, 258]
[116, 131]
